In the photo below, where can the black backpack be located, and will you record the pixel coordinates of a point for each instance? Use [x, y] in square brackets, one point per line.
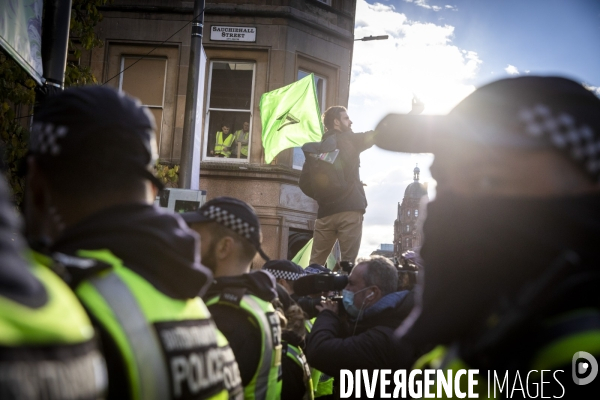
[322, 176]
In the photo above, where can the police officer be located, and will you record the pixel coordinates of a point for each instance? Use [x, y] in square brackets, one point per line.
[47, 346]
[296, 373]
[134, 268]
[240, 301]
[511, 240]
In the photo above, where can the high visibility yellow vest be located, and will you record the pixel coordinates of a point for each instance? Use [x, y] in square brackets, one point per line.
[56, 337]
[170, 346]
[223, 146]
[296, 354]
[241, 136]
[231, 372]
[266, 382]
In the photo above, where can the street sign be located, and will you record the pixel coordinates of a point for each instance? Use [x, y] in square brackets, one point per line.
[233, 33]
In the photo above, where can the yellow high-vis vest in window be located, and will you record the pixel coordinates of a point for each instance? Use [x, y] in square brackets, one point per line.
[223, 146]
[242, 137]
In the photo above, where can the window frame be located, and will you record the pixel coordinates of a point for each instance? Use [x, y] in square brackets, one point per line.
[164, 94]
[323, 99]
[208, 109]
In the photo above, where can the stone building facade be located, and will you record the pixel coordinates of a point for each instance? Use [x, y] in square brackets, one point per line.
[407, 227]
[149, 40]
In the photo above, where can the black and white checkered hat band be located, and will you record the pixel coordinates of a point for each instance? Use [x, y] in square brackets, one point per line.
[287, 275]
[230, 221]
[565, 133]
[45, 138]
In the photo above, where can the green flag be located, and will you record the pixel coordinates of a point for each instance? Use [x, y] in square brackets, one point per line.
[302, 258]
[290, 117]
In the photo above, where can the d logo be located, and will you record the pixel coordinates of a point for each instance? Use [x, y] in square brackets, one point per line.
[588, 366]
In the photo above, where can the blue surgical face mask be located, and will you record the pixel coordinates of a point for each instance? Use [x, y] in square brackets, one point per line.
[348, 301]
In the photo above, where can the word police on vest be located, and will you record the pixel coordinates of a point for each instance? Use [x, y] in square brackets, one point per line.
[194, 359]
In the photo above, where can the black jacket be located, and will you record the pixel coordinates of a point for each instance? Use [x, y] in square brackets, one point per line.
[155, 244]
[350, 146]
[237, 325]
[332, 346]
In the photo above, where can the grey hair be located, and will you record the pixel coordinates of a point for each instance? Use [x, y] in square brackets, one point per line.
[382, 273]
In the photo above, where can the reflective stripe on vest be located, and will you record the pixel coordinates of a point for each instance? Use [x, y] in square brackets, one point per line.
[153, 382]
[170, 346]
[221, 144]
[296, 354]
[49, 352]
[265, 384]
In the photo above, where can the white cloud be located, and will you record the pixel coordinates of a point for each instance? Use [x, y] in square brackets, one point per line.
[511, 70]
[418, 59]
[423, 3]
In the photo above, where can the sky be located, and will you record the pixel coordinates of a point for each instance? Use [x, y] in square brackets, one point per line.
[440, 51]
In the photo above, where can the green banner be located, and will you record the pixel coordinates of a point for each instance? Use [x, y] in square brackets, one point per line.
[21, 34]
[290, 117]
[303, 257]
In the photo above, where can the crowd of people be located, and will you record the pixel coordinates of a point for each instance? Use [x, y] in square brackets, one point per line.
[107, 296]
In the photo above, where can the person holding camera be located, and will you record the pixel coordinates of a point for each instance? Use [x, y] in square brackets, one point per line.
[362, 337]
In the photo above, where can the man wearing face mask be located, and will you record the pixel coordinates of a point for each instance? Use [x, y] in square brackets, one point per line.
[511, 241]
[363, 340]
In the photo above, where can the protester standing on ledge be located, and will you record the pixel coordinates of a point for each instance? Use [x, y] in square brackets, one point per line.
[340, 215]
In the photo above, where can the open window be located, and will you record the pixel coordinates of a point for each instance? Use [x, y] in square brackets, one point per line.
[227, 130]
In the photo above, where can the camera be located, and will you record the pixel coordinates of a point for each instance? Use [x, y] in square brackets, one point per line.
[315, 285]
[319, 283]
[309, 304]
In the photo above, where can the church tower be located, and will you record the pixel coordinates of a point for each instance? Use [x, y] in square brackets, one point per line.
[407, 230]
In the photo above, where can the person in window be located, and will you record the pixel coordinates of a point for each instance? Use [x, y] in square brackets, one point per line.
[241, 136]
[223, 143]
